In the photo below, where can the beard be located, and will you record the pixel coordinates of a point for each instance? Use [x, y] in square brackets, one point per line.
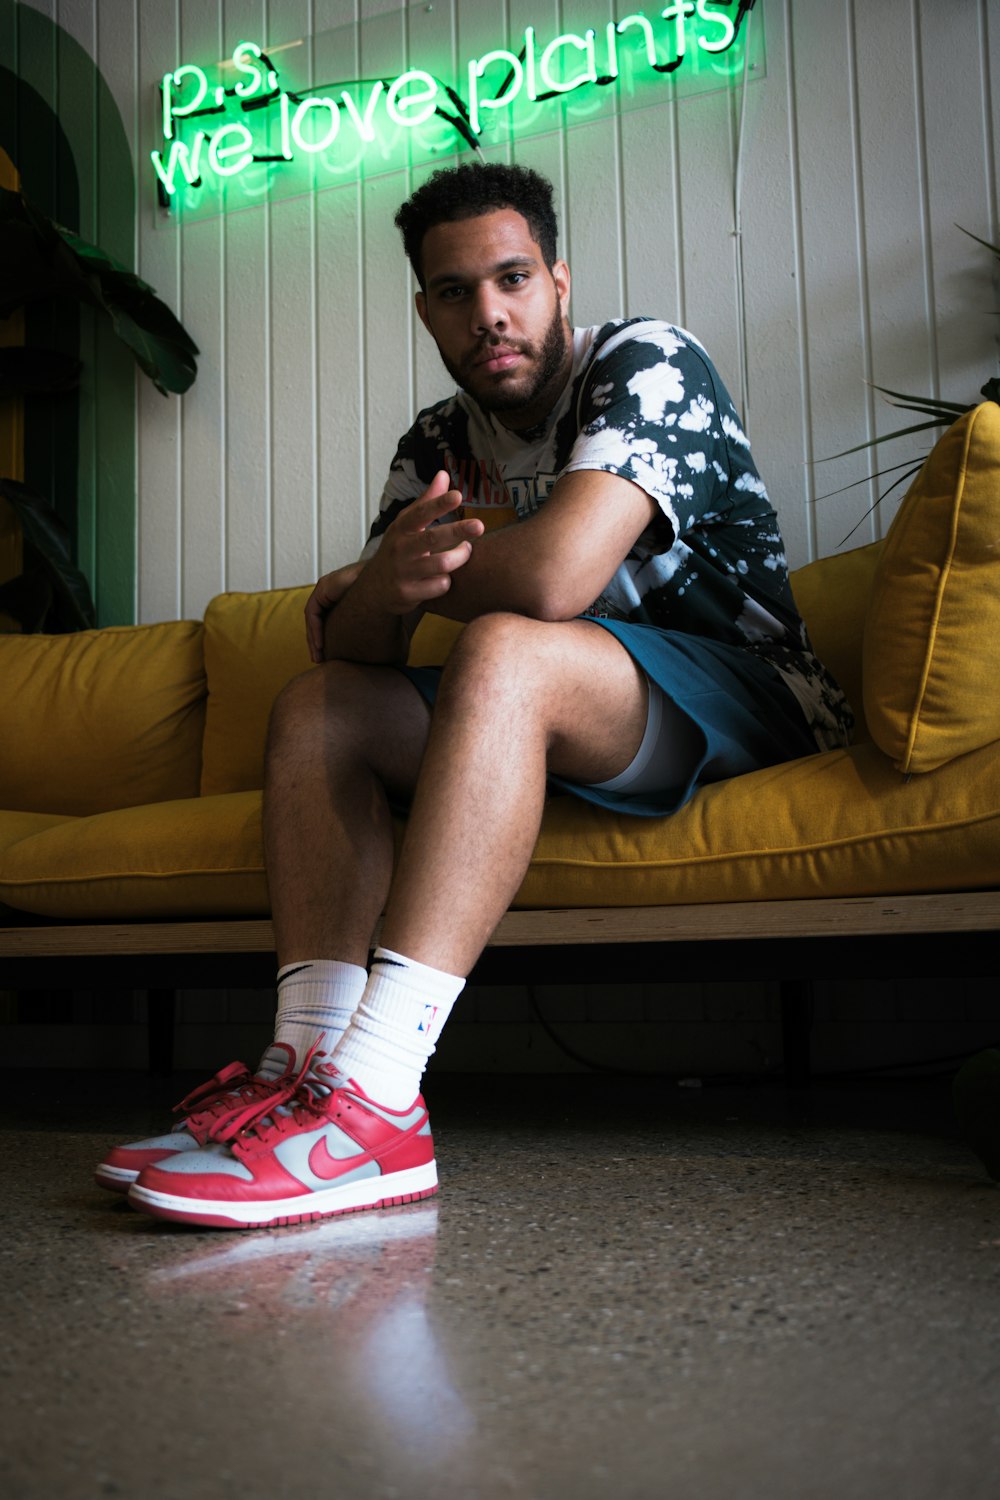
[538, 387]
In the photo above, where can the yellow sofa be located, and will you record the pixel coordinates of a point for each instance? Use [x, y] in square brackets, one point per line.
[130, 759]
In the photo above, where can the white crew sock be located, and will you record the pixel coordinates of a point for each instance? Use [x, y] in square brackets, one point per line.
[395, 1028]
[314, 999]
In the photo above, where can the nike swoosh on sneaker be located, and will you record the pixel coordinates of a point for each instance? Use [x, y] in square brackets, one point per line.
[327, 1166]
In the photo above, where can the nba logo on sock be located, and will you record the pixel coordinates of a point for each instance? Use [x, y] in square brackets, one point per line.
[430, 1011]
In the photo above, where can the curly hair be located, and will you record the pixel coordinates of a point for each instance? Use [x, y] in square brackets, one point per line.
[477, 188]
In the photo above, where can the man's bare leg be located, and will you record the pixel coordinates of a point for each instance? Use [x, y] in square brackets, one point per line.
[519, 698]
[342, 739]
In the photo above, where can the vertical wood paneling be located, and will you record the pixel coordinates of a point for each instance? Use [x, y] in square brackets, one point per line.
[159, 469]
[116, 374]
[388, 358]
[343, 502]
[705, 165]
[75, 43]
[989, 56]
[956, 177]
[201, 271]
[890, 177]
[292, 314]
[593, 191]
[872, 134]
[249, 373]
[830, 305]
[776, 405]
[435, 34]
[653, 269]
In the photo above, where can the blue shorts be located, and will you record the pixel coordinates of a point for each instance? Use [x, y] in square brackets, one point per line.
[746, 713]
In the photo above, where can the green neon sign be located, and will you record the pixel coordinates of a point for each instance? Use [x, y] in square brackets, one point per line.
[257, 126]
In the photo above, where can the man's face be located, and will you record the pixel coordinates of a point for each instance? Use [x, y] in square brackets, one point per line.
[498, 314]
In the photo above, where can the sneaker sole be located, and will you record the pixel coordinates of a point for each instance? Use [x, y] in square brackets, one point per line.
[115, 1179]
[390, 1191]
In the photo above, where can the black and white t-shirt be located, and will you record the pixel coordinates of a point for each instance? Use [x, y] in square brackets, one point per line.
[644, 402]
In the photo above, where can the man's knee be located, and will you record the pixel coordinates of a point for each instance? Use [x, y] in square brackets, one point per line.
[350, 712]
[508, 663]
[494, 650]
[298, 710]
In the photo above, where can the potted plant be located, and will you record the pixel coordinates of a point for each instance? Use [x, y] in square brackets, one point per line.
[936, 414]
[41, 259]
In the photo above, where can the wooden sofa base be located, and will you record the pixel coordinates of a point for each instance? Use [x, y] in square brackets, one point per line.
[946, 936]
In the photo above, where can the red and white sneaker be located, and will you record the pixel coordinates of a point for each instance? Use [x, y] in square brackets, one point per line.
[294, 1156]
[233, 1086]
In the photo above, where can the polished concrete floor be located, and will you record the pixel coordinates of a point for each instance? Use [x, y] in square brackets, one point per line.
[623, 1289]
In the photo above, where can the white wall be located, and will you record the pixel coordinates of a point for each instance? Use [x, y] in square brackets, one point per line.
[872, 136]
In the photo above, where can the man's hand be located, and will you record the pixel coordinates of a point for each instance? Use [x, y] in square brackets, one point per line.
[329, 591]
[416, 558]
[365, 612]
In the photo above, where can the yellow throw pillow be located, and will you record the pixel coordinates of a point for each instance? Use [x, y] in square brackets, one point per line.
[930, 680]
[102, 719]
[255, 643]
[832, 596]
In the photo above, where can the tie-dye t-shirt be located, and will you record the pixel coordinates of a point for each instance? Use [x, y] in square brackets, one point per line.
[644, 402]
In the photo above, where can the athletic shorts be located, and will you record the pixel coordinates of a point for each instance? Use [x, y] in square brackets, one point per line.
[747, 716]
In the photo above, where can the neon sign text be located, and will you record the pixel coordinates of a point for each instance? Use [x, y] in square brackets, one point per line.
[251, 116]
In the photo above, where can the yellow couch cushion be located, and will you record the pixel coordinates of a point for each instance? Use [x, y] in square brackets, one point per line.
[832, 596]
[197, 856]
[930, 688]
[103, 719]
[837, 824]
[254, 644]
[15, 826]
[432, 641]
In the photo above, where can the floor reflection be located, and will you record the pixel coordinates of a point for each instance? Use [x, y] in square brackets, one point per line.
[362, 1282]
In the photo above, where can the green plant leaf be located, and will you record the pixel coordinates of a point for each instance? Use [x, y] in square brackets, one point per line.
[948, 409]
[874, 442]
[41, 259]
[993, 249]
[906, 464]
[47, 548]
[940, 414]
[915, 469]
[160, 345]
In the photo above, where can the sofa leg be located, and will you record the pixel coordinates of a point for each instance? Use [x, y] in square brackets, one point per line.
[796, 1026]
[162, 1010]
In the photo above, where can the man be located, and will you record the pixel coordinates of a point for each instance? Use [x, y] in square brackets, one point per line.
[631, 637]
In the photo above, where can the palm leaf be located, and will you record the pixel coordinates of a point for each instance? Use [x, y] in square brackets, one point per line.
[914, 469]
[41, 259]
[993, 249]
[929, 404]
[47, 554]
[874, 442]
[907, 464]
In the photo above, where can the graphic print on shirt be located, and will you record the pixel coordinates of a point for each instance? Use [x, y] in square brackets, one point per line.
[492, 496]
[645, 403]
